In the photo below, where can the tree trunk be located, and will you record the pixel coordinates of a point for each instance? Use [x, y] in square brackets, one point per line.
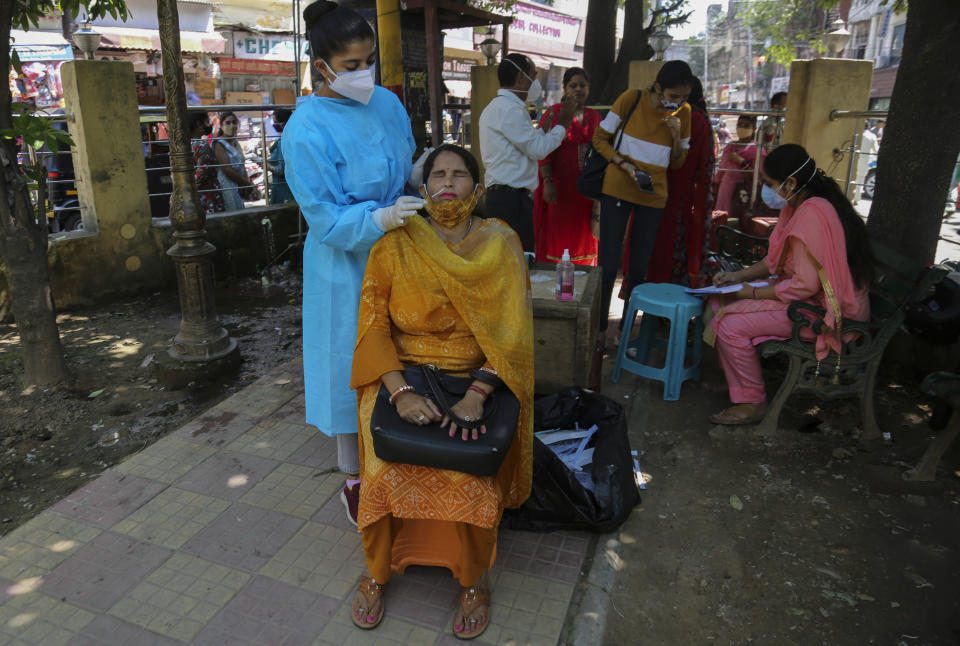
[634, 47]
[921, 139]
[599, 45]
[23, 248]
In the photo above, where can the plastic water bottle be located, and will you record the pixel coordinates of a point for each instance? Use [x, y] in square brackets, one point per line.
[564, 290]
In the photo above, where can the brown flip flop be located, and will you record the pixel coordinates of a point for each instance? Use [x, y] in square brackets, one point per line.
[372, 592]
[471, 599]
[739, 415]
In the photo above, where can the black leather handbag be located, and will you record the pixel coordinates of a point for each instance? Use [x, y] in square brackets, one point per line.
[590, 182]
[397, 440]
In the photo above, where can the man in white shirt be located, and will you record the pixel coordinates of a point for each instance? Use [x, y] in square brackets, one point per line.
[511, 146]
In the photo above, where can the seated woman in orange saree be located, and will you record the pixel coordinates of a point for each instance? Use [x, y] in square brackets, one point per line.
[450, 290]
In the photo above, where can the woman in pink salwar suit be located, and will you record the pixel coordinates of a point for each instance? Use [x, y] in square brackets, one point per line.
[736, 163]
[818, 253]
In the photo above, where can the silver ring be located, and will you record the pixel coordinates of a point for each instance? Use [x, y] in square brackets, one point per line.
[467, 418]
[421, 418]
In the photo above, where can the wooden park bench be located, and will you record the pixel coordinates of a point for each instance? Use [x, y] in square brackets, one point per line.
[897, 280]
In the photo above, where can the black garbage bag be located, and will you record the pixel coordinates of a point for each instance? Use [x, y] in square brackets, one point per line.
[558, 500]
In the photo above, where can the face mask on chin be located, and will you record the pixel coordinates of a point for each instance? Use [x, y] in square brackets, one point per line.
[450, 213]
[357, 85]
[669, 106]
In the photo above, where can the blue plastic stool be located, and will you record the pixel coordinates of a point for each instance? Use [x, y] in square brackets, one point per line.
[669, 301]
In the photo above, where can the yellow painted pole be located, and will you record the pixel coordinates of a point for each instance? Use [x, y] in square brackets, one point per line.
[391, 53]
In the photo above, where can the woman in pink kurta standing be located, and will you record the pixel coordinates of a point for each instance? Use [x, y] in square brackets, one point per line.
[818, 253]
[736, 163]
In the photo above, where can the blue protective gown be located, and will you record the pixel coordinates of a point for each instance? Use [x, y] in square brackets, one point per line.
[344, 160]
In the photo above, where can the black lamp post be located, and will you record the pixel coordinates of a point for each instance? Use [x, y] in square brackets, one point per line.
[201, 337]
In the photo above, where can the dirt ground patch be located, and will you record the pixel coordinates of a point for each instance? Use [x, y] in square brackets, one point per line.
[53, 442]
[801, 540]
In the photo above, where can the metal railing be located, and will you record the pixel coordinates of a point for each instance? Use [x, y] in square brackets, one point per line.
[256, 159]
[857, 185]
[853, 151]
[761, 147]
[58, 190]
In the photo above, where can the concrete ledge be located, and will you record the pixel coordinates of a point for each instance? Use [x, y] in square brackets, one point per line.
[587, 615]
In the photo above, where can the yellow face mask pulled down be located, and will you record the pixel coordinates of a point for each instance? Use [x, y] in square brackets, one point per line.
[452, 212]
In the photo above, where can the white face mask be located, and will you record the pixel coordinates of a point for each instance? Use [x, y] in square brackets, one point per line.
[535, 91]
[357, 85]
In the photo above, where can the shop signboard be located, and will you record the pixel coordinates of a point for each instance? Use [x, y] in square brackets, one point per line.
[457, 68]
[548, 33]
[267, 47]
[256, 67]
[30, 53]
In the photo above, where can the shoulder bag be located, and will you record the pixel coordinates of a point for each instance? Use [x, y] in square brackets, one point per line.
[397, 440]
[590, 182]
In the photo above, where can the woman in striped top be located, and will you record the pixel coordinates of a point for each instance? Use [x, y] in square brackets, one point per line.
[655, 137]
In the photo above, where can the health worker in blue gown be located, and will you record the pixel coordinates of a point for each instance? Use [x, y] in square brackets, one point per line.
[348, 151]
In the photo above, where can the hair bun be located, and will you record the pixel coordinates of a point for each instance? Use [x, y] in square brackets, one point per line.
[317, 10]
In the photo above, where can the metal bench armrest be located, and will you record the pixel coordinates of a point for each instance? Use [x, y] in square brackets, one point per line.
[803, 315]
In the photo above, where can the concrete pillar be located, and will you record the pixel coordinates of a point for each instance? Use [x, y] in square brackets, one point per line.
[108, 162]
[101, 104]
[817, 87]
[484, 86]
[643, 73]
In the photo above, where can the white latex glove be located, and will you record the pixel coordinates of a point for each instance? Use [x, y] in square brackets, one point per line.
[395, 215]
[416, 175]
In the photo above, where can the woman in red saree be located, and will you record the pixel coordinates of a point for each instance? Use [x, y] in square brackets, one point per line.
[819, 253]
[679, 249]
[561, 216]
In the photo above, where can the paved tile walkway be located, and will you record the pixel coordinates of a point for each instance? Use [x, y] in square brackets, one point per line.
[230, 531]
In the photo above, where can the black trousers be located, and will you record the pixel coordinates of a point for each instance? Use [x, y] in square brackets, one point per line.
[515, 207]
[614, 216]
